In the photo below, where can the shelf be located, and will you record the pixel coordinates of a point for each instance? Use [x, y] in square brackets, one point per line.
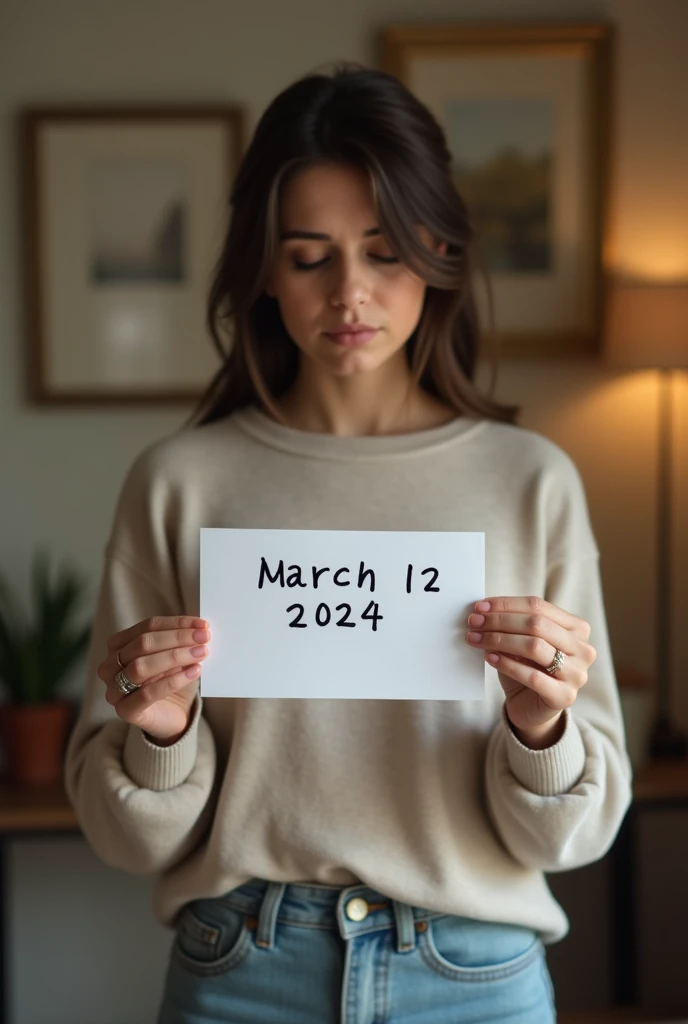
[661, 780]
[35, 809]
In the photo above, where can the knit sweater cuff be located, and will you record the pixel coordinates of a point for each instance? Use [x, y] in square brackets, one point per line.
[158, 768]
[551, 771]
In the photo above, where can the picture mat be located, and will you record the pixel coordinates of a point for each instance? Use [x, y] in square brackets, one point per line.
[138, 337]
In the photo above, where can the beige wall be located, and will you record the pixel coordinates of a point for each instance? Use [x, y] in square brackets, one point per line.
[60, 469]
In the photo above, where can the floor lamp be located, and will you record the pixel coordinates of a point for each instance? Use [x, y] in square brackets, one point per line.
[646, 328]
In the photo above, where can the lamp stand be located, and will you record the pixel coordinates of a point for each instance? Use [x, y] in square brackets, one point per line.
[666, 742]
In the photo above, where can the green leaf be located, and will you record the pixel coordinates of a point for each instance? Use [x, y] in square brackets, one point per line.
[38, 652]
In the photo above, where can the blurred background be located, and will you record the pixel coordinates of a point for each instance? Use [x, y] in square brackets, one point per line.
[80, 943]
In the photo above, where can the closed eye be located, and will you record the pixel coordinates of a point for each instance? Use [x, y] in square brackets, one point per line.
[298, 265]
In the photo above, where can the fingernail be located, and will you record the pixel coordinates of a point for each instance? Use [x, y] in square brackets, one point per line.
[482, 606]
[475, 638]
[476, 620]
[198, 652]
[200, 635]
[192, 671]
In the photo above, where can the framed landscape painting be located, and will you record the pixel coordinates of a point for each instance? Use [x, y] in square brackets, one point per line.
[124, 211]
[525, 110]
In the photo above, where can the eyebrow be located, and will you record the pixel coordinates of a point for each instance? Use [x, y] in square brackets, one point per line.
[319, 237]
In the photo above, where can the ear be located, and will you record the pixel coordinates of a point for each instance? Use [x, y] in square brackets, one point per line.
[442, 248]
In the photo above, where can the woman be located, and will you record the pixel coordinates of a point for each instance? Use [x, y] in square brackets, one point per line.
[353, 860]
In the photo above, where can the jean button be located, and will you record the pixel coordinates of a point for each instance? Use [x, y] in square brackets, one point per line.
[357, 909]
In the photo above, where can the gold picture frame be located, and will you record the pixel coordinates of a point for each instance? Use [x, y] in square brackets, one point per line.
[526, 112]
[123, 210]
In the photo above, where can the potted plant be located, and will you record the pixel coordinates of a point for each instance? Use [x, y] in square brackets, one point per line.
[37, 653]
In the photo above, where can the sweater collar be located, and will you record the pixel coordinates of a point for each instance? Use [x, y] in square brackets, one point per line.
[328, 446]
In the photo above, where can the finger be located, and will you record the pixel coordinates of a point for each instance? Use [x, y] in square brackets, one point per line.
[555, 693]
[536, 649]
[154, 625]
[143, 669]
[162, 640]
[573, 672]
[533, 648]
[114, 694]
[165, 675]
[151, 692]
[535, 606]
[162, 675]
[533, 625]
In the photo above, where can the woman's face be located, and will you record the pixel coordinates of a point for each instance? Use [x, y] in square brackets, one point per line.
[346, 274]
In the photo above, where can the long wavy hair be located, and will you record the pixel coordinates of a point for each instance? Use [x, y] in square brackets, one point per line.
[367, 119]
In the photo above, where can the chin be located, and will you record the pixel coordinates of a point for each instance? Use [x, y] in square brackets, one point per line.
[354, 363]
[363, 360]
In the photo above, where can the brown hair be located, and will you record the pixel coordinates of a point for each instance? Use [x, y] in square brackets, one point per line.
[367, 119]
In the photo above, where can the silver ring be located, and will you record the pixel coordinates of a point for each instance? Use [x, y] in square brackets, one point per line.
[559, 659]
[125, 685]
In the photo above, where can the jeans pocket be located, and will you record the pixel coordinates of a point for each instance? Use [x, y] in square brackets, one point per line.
[211, 938]
[470, 950]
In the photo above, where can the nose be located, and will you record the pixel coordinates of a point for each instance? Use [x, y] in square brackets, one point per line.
[350, 287]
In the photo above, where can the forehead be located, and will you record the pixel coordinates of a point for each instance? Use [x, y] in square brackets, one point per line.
[327, 192]
[332, 199]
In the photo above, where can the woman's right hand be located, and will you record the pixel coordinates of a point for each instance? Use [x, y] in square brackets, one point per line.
[162, 657]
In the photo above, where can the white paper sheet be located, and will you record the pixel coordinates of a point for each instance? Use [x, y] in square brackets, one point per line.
[276, 634]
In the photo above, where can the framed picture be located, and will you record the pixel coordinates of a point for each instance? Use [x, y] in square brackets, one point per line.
[124, 212]
[525, 109]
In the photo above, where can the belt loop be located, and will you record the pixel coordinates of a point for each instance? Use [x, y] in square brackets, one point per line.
[268, 914]
[406, 929]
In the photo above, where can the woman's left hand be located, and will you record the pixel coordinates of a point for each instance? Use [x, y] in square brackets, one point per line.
[520, 636]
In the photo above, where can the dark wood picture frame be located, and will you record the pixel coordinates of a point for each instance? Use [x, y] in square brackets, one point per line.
[458, 71]
[122, 214]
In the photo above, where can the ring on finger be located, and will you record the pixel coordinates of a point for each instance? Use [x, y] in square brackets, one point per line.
[125, 685]
[119, 661]
[559, 659]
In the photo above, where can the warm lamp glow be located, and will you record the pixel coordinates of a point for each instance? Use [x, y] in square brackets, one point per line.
[646, 325]
[646, 259]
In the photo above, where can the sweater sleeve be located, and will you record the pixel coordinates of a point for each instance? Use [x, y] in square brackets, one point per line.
[142, 807]
[561, 807]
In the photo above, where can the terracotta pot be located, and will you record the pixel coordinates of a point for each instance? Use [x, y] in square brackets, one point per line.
[34, 738]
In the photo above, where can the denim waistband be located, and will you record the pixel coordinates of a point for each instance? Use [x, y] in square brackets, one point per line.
[352, 910]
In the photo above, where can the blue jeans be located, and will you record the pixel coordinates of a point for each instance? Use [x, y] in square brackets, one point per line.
[274, 953]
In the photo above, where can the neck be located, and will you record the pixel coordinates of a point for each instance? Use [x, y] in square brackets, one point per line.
[382, 401]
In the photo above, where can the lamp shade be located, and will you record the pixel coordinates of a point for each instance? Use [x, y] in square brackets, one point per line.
[646, 325]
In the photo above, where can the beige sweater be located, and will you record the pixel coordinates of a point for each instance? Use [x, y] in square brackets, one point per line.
[431, 802]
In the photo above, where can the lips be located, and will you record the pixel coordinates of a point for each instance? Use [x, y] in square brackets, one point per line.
[352, 335]
[352, 328]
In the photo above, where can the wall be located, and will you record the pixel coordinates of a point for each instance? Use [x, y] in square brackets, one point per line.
[99, 955]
